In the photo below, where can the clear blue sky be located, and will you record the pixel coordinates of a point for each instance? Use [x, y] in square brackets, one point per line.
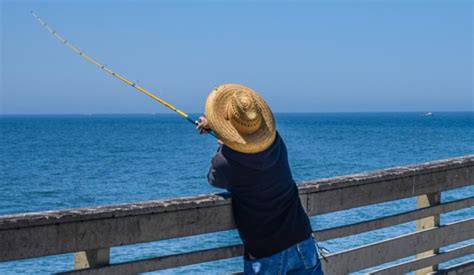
[322, 56]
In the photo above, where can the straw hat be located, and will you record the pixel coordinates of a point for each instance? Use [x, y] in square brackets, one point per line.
[240, 118]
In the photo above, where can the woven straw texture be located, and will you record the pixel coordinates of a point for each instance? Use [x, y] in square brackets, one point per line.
[223, 118]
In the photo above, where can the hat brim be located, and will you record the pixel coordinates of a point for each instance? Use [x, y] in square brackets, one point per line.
[216, 114]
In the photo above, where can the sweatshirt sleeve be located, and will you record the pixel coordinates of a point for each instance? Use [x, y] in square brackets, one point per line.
[219, 172]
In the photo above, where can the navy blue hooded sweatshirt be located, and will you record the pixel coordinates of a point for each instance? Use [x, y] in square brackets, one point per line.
[265, 201]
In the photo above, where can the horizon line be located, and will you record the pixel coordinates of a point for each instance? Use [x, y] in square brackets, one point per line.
[172, 113]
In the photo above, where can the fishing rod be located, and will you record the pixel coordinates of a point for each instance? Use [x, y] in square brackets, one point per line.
[116, 75]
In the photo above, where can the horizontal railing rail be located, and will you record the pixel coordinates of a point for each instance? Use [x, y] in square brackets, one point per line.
[94, 230]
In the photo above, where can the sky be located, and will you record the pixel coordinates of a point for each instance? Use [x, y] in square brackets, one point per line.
[301, 56]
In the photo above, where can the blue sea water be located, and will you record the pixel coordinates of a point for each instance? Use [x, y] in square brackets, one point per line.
[66, 161]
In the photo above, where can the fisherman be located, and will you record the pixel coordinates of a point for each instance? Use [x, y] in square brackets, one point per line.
[252, 164]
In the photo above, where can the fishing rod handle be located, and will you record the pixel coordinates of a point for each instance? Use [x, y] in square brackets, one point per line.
[196, 122]
[210, 132]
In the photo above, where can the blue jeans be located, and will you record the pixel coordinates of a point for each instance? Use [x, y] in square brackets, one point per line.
[301, 258]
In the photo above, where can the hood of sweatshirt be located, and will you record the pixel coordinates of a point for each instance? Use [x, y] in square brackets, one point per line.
[257, 161]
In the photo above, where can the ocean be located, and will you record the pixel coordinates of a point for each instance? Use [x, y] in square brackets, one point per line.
[51, 162]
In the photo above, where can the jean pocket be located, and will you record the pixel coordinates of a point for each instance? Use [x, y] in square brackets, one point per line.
[308, 253]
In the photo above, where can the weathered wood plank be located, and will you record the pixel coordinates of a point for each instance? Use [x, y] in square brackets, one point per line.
[403, 246]
[112, 211]
[365, 189]
[390, 174]
[466, 268]
[427, 261]
[164, 262]
[356, 228]
[109, 232]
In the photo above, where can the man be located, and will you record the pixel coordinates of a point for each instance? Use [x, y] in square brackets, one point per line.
[252, 164]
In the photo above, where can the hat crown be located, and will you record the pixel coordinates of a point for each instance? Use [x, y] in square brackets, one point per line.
[244, 112]
[240, 118]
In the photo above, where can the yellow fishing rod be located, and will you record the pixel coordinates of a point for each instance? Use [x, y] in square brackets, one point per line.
[109, 71]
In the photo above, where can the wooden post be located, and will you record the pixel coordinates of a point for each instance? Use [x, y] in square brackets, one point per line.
[92, 258]
[428, 222]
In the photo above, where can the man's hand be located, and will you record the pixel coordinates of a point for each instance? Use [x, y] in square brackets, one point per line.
[204, 129]
[203, 126]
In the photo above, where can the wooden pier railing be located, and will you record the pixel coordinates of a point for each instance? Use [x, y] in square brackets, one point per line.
[91, 232]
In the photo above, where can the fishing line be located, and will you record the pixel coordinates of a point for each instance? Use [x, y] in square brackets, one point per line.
[114, 74]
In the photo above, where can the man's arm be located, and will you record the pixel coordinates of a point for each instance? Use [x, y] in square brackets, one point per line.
[219, 172]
